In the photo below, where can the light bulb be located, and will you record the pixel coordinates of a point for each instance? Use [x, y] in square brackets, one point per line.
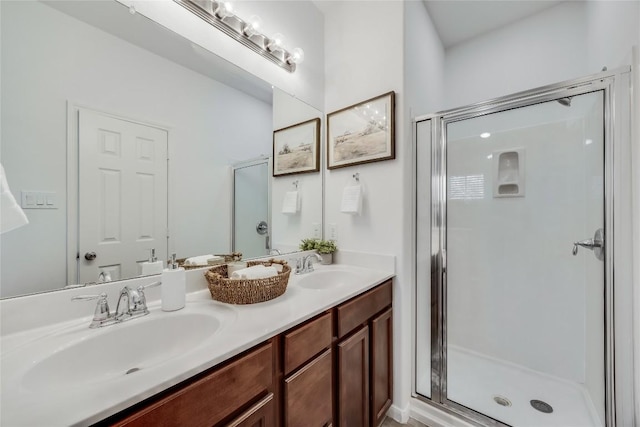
[485, 135]
[275, 42]
[296, 57]
[223, 9]
[251, 27]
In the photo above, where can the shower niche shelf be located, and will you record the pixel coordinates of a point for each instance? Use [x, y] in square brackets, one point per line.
[508, 173]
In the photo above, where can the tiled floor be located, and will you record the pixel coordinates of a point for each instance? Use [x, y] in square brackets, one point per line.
[388, 422]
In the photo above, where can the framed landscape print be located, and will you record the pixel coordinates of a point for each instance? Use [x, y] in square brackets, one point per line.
[362, 133]
[296, 148]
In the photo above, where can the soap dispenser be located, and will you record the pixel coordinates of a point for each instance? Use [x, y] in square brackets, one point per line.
[174, 286]
[153, 266]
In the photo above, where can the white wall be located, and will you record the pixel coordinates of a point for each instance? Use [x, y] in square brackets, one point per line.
[66, 59]
[570, 40]
[300, 21]
[363, 59]
[545, 48]
[612, 29]
[288, 229]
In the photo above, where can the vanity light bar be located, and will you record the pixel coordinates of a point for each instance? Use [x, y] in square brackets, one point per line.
[219, 14]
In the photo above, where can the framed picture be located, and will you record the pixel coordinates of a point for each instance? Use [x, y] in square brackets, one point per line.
[296, 148]
[362, 133]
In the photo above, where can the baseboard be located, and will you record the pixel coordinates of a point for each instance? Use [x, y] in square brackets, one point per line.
[400, 415]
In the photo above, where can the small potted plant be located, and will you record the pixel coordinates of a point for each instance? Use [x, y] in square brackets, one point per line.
[326, 248]
[308, 244]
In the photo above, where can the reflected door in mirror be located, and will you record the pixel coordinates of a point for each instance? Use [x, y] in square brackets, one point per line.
[251, 234]
[122, 205]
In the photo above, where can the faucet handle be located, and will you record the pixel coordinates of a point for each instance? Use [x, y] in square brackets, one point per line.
[139, 300]
[102, 312]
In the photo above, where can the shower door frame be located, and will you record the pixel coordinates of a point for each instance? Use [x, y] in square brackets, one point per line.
[604, 82]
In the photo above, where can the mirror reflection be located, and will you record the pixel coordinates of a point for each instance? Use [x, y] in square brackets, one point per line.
[129, 135]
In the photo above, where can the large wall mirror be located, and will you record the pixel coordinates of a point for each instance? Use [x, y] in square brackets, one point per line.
[124, 137]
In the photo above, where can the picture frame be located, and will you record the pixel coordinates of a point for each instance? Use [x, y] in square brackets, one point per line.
[362, 133]
[296, 148]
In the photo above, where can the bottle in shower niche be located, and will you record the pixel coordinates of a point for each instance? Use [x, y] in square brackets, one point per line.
[174, 286]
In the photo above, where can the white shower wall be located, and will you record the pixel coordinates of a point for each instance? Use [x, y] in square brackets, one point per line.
[515, 292]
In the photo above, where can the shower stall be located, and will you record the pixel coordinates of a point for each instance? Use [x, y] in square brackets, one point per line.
[515, 245]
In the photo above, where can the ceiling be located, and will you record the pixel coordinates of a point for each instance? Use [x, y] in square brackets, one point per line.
[459, 20]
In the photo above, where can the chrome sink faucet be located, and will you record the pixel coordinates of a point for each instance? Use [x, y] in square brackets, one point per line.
[132, 303]
[305, 264]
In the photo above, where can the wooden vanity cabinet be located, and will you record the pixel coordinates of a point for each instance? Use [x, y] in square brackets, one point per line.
[335, 369]
[365, 357]
[308, 381]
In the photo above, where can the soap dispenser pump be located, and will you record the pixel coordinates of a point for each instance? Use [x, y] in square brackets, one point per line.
[174, 286]
[153, 266]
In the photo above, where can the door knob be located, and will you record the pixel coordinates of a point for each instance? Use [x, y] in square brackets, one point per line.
[596, 244]
[262, 228]
[90, 256]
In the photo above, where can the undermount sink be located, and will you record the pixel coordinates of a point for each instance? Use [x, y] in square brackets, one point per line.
[116, 351]
[328, 278]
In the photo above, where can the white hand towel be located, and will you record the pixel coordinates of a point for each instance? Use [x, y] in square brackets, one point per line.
[255, 272]
[198, 260]
[11, 214]
[291, 202]
[351, 199]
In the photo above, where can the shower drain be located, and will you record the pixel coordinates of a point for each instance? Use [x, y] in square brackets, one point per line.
[541, 406]
[502, 401]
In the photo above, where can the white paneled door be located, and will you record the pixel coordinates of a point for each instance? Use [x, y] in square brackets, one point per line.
[122, 205]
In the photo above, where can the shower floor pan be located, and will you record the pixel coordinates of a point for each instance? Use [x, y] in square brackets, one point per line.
[482, 383]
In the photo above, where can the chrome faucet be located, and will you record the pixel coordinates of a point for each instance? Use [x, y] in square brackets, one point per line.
[132, 303]
[101, 316]
[305, 264]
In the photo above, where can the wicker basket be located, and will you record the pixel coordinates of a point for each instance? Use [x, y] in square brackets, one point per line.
[247, 291]
[236, 256]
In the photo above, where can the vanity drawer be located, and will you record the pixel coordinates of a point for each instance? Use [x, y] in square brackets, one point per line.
[306, 341]
[212, 398]
[360, 309]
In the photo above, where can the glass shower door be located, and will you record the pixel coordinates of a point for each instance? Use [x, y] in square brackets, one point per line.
[524, 307]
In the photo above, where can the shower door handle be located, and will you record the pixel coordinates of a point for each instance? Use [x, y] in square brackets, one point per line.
[596, 244]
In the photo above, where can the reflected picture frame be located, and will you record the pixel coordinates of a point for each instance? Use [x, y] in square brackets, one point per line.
[296, 148]
[362, 133]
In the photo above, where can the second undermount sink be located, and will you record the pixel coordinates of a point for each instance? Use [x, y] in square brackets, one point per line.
[329, 278]
[116, 351]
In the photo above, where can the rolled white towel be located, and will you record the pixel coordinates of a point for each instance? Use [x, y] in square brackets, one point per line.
[255, 272]
[198, 260]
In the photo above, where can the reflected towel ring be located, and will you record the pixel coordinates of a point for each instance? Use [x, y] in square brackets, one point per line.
[356, 176]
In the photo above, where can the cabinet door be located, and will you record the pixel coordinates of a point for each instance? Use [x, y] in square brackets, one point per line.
[259, 415]
[353, 380]
[381, 366]
[308, 398]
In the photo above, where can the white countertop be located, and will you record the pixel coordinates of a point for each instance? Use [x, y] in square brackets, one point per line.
[245, 327]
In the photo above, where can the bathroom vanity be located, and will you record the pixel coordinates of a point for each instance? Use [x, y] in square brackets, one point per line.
[321, 354]
[335, 369]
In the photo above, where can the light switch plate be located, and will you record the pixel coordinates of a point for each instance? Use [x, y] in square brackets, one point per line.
[333, 232]
[316, 230]
[38, 200]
